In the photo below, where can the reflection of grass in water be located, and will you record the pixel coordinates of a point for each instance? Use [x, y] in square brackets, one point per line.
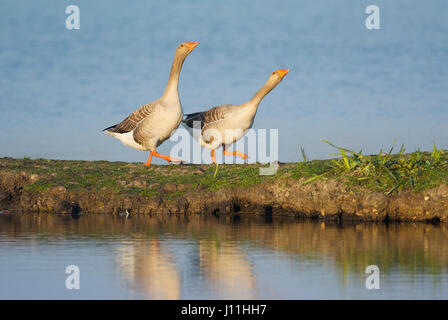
[412, 248]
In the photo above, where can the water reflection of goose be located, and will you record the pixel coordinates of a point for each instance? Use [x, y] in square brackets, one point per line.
[228, 270]
[149, 268]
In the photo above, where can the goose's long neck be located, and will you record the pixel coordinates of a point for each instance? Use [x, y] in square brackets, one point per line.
[173, 81]
[253, 103]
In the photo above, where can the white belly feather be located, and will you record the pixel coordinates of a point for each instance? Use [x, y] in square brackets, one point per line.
[225, 132]
[127, 139]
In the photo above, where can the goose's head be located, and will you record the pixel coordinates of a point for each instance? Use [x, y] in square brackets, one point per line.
[185, 48]
[277, 76]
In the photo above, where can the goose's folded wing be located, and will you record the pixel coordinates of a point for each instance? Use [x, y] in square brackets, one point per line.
[131, 122]
[208, 117]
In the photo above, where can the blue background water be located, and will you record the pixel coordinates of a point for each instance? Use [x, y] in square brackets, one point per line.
[355, 87]
[211, 258]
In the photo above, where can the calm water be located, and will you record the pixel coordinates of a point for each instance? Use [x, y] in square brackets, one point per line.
[218, 258]
[355, 87]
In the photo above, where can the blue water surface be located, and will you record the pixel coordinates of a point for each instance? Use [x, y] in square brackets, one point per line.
[358, 88]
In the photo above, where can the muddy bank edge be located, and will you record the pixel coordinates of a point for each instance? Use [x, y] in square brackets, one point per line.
[327, 200]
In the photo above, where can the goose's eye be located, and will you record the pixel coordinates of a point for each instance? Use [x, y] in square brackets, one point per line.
[182, 45]
[273, 72]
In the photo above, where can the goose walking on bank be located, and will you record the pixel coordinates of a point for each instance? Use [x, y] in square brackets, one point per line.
[225, 124]
[153, 123]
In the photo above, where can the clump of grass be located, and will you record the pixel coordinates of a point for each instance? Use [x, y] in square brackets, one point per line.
[388, 171]
[305, 158]
[312, 169]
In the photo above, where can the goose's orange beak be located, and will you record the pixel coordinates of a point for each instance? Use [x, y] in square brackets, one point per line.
[192, 45]
[283, 72]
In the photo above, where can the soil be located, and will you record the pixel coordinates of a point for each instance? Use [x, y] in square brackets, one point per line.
[51, 186]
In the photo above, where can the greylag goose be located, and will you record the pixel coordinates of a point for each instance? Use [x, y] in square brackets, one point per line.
[153, 123]
[225, 124]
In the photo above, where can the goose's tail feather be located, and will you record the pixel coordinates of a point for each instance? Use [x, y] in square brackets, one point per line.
[193, 119]
[111, 127]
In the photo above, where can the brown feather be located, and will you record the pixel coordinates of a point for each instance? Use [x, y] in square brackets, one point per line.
[130, 123]
[217, 113]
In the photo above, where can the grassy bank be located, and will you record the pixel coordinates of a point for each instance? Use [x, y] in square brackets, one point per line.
[385, 172]
[400, 186]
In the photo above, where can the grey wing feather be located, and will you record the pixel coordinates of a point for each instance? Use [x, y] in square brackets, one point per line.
[217, 113]
[131, 122]
[208, 117]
